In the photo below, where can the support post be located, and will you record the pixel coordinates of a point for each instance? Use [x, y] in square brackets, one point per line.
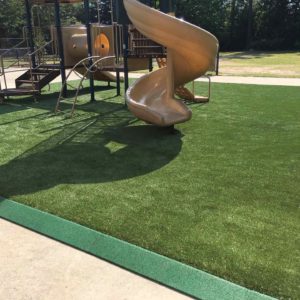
[217, 65]
[118, 83]
[30, 31]
[89, 44]
[60, 47]
[125, 49]
[150, 65]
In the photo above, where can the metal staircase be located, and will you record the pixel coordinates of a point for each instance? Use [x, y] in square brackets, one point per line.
[36, 78]
[40, 69]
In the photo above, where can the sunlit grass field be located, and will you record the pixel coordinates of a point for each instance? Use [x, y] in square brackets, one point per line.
[221, 194]
[253, 63]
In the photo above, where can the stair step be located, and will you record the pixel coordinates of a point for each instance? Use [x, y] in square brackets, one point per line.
[50, 67]
[36, 78]
[40, 73]
[27, 81]
[141, 39]
[149, 46]
[18, 92]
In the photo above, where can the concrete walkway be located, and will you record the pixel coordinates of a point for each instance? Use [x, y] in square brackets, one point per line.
[35, 267]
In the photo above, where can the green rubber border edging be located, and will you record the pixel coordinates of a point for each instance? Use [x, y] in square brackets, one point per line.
[166, 271]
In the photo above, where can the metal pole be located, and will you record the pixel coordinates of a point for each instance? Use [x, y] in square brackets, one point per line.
[217, 66]
[150, 65]
[118, 83]
[60, 46]
[125, 49]
[89, 44]
[30, 31]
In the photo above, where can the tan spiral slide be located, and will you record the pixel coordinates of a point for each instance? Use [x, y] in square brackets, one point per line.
[191, 51]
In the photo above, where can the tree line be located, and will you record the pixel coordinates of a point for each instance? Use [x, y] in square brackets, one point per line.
[238, 24]
[247, 24]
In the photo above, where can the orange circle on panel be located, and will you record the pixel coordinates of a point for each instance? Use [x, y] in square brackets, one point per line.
[101, 45]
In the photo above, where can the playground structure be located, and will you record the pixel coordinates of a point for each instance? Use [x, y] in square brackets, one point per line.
[125, 47]
[71, 44]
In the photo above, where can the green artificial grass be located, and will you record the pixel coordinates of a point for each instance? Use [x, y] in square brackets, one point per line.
[181, 277]
[221, 195]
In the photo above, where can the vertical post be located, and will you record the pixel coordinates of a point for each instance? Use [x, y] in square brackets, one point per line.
[217, 65]
[150, 65]
[125, 49]
[60, 47]
[89, 44]
[30, 32]
[170, 74]
[118, 83]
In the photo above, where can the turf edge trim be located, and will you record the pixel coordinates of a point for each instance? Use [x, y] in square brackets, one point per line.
[161, 269]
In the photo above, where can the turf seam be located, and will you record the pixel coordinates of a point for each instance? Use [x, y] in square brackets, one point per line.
[166, 271]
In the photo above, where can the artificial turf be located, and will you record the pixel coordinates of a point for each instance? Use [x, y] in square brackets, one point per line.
[222, 194]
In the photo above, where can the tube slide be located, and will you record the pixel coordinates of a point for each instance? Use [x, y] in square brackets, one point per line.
[191, 52]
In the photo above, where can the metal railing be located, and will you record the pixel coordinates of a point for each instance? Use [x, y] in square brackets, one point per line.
[41, 57]
[14, 59]
[97, 65]
[10, 60]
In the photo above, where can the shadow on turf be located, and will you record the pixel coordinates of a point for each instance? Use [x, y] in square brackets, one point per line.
[91, 149]
[47, 102]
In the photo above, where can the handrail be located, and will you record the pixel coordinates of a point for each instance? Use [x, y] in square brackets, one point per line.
[27, 57]
[80, 63]
[37, 54]
[2, 67]
[14, 47]
[89, 69]
[7, 51]
[41, 48]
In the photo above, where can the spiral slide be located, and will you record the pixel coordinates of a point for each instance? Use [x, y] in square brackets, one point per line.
[191, 51]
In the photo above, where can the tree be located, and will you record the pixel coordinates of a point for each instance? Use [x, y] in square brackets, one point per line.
[249, 24]
[238, 24]
[277, 24]
[12, 18]
[105, 11]
[210, 15]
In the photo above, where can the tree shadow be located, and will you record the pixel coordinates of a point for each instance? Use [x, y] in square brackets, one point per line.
[6, 108]
[243, 55]
[91, 149]
[246, 55]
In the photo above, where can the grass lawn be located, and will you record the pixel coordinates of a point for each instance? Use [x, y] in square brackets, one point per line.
[221, 195]
[253, 63]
